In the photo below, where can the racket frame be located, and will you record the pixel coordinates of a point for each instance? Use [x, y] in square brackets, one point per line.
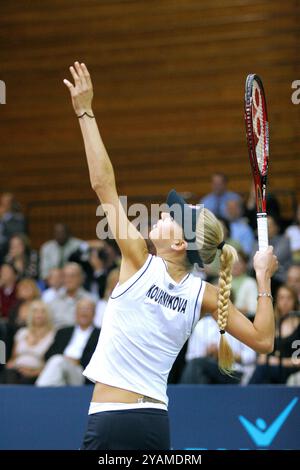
[259, 177]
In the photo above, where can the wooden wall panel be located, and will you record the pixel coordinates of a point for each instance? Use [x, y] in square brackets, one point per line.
[169, 82]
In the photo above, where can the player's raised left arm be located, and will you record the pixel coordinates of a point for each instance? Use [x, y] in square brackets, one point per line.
[102, 177]
[99, 164]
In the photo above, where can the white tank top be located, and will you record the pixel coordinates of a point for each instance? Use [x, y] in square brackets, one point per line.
[147, 320]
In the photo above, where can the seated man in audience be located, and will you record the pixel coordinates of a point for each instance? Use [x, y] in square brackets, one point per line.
[56, 253]
[202, 357]
[216, 201]
[55, 285]
[72, 350]
[92, 258]
[63, 308]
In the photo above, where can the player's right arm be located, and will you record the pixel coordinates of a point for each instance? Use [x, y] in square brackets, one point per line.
[260, 334]
[131, 243]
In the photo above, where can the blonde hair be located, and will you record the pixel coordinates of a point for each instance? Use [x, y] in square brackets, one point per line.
[209, 234]
[48, 317]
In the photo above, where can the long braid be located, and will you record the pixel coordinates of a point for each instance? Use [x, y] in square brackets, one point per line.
[227, 258]
[209, 235]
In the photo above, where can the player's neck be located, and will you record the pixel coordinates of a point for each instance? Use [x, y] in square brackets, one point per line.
[176, 266]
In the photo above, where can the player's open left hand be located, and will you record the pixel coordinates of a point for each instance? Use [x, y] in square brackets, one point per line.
[82, 89]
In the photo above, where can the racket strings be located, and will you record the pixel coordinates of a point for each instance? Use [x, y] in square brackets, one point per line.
[259, 128]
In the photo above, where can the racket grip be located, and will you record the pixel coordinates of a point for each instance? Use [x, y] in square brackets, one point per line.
[262, 231]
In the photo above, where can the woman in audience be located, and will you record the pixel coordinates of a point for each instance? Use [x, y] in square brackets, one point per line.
[8, 284]
[30, 345]
[27, 291]
[279, 365]
[24, 259]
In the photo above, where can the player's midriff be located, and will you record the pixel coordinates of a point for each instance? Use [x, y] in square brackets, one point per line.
[107, 394]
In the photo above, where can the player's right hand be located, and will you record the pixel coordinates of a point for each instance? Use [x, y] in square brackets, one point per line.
[265, 262]
[82, 89]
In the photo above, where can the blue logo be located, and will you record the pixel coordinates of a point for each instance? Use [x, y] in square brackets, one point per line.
[260, 433]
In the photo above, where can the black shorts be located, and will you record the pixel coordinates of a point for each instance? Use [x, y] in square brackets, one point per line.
[134, 429]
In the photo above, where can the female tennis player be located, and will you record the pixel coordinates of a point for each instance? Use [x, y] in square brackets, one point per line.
[157, 303]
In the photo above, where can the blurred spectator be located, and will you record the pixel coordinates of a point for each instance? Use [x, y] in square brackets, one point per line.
[244, 287]
[30, 345]
[240, 231]
[97, 258]
[63, 308]
[97, 280]
[273, 207]
[24, 259]
[112, 281]
[8, 283]
[202, 356]
[293, 278]
[293, 234]
[72, 350]
[93, 257]
[113, 252]
[55, 285]
[282, 250]
[294, 379]
[212, 270]
[11, 221]
[217, 200]
[27, 291]
[276, 367]
[55, 253]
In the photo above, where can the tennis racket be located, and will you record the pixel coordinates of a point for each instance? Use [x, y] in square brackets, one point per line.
[257, 132]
